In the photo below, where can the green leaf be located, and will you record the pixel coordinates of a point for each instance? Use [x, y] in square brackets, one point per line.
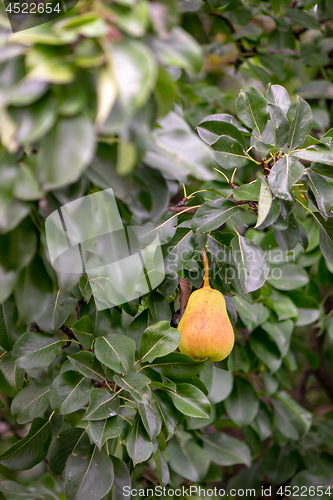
[102, 404]
[251, 314]
[151, 418]
[311, 357]
[266, 350]
[164, 93]
[138, 444]
[226, 450]
[9, 331]
[7, 280]
[252, 109]
[122, 479]
[35, 120]
[45, 67]
[290, 418]
[280, 332]
[14, 491]
[33, 291]
[83, 330]
[18, 247]
[36, 350]
[26, 184]
[11, 377]
[301, 124]
[86, 363]
[325, 236]
[63, 445]
[325, 170]
[316, 89]
[278, 95]
[213, 126]
[251, 263]
[30, 402]
[213, 214]
[247, 191]
[289, 277]
[101, 430]
[219, 246]
[59, 308]
[169, 413]
[30, 450]
[228, 153]
[177, 151]
[116, 352]
[69, 392]
[279, 464]
[280, 125]
[162, 468]
[191, 401]
[136, 385]
[283, 306]
[322, 191]
[323, 156]
[158, 307]
[243, 404]
[268, 208]
[177, 366]
[135, 72]
[188, 459]
[158, 340]
[218, 382]
[283, 175]
[178, 251]
[88, 474]
[288, 238]
[262, 424]
[303, 18]
[178, 48]
[65, 152]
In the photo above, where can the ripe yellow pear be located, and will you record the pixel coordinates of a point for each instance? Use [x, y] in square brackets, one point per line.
[205, 326]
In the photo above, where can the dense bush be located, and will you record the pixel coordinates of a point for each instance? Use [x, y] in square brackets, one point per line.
[211, 123]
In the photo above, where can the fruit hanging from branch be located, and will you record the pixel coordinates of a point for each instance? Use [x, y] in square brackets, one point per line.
[206, 329]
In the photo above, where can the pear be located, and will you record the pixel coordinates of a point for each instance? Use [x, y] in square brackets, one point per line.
[206, 331]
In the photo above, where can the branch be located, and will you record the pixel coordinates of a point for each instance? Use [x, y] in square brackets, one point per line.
[179, 210]
[185, 292]
[70, 336]
[68, 332]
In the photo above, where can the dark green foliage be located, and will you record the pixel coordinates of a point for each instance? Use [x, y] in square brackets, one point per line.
[219, 110]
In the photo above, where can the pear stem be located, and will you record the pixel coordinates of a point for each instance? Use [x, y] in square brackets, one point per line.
[206, 267]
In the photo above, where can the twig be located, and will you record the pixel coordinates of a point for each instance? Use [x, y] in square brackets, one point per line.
[35, 328]
[70, 336]
[225, 19]
[179, 210]
[185, 292]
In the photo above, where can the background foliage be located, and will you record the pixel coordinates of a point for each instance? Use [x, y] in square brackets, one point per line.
[117, 94]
